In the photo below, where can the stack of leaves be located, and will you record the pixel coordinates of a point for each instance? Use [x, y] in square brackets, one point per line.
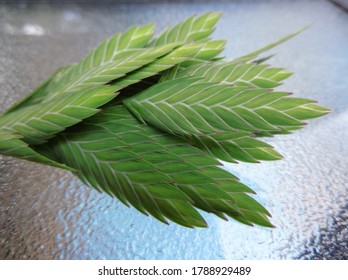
[147, 121]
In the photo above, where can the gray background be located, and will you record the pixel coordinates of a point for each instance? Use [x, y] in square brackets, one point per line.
[46, 213]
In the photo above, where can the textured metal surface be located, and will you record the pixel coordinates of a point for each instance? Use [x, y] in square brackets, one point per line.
[46, 213]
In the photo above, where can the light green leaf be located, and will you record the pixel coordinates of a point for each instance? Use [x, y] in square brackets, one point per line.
[119, 47]
[192, 106]
[37, 123]
[221, 119]
[12, 145]
[234, 146]
[239, 74]
[37, 94]
[193, 29]
[77, 100]
[109, 50]
[149, 169]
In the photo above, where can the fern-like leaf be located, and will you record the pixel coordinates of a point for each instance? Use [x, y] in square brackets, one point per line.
[193, 29]
[12, 145]
[109, 50]
[193, 106]
[156, 173]
[239, 74]
[210, 114]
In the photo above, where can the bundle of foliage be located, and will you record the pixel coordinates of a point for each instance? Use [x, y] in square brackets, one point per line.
[147, 121]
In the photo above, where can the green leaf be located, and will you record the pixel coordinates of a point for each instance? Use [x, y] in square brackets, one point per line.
[76, 101]
[37, 94]
[191, 106]
[193, 29]
[177, 56]
[12, 145]
[109, 50]
[234, 146]
[221, 119]
[147, 168]
[239, 74]
[118, 48]
[111, 70]
[37, 123]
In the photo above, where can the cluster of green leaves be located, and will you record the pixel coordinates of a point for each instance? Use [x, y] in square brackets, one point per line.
[146, 120]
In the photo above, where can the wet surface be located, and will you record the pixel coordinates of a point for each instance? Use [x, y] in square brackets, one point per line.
[46, 213]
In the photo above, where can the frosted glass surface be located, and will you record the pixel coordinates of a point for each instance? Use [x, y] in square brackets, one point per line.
[46, 213]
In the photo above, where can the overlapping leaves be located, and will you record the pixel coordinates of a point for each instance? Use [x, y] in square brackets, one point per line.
[145, 120]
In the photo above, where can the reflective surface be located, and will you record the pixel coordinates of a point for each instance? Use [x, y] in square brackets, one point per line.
[46, 213]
